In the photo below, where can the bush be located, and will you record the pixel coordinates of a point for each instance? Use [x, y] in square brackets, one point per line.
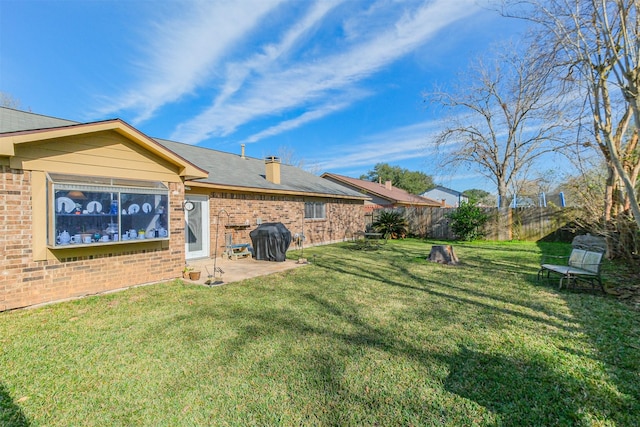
[467, 221]
[391, 224]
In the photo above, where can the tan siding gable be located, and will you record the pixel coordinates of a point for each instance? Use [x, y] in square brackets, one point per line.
[104, 153]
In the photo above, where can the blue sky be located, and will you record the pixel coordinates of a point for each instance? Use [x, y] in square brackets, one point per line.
[337, 83]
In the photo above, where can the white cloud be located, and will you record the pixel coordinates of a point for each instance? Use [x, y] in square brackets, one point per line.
[394, 145]
[306, 117]
[251, 92]
[261, 63]
[182, 52]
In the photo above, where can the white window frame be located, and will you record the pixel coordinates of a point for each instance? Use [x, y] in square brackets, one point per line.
[119, 190]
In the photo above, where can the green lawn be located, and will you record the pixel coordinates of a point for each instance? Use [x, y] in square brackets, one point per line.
[356, 338]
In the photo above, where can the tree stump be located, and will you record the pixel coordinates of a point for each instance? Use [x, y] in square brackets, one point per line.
[443, 254]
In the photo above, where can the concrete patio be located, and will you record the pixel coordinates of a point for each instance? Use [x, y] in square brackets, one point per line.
[235, 270]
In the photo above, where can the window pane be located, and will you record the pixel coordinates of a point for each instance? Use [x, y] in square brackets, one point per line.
[82, 217]
[194, 228]
[143, 216]
[321, 212]
[314, 210]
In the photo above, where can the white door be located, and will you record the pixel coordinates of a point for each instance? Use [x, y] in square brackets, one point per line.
[197, 228]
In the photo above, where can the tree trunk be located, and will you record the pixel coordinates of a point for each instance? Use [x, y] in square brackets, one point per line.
[443, 254]
[626, 179]
[502, 194]
[633, 200]
[608, 192]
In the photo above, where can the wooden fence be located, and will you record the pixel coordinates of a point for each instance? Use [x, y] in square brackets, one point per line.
[532, 223]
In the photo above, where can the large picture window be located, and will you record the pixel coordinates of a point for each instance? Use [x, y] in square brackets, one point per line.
[93, 210]
[314, 210]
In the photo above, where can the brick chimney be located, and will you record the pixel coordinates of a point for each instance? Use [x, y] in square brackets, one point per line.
[272, 164]
[387, 185]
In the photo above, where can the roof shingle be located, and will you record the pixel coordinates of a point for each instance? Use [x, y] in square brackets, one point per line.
[15, 120]
[227, 169]
[394, 194]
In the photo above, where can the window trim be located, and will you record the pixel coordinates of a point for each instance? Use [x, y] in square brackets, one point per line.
[118, 187]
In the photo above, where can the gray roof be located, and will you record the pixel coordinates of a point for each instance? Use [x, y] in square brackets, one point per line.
[14, 121]
[445, 189]
[224, 168]
[234, 170]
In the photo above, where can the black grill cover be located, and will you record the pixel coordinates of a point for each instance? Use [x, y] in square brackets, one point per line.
[270, 241]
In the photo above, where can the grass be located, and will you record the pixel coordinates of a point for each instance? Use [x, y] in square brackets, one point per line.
[356, 338]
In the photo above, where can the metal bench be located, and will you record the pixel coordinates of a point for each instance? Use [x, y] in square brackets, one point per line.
[235, 251]
[580, 264]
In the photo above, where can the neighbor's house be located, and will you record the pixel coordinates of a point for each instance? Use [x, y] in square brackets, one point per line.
[447, 196]
[92, 207]
[382, 196]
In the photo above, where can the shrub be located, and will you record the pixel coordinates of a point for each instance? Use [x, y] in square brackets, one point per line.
[467, 221]
[391, 224]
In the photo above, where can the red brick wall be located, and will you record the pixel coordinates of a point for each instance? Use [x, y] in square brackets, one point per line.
[73, 272]
[343, 217]
[25, 282]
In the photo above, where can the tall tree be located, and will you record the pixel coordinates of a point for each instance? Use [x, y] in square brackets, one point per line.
[480, 197]
[288, 156]
[9, 101]
[582, 189]
[597, 45]
[414, 182]
[502, 117]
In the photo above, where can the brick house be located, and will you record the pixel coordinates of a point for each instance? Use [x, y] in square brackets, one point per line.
[382, 196]
[91, 207]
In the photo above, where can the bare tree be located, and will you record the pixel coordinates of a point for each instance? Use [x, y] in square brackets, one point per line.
[288, 156]
[583, 189]
[597, 44]
[503, 117]
[9, 101]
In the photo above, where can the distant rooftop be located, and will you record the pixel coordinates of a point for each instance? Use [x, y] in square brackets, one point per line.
[388, 192]
[446, 190]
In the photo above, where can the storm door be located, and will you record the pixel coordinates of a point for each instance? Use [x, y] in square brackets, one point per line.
[196, 216]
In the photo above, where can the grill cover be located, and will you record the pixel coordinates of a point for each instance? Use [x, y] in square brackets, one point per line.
[270, 241]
